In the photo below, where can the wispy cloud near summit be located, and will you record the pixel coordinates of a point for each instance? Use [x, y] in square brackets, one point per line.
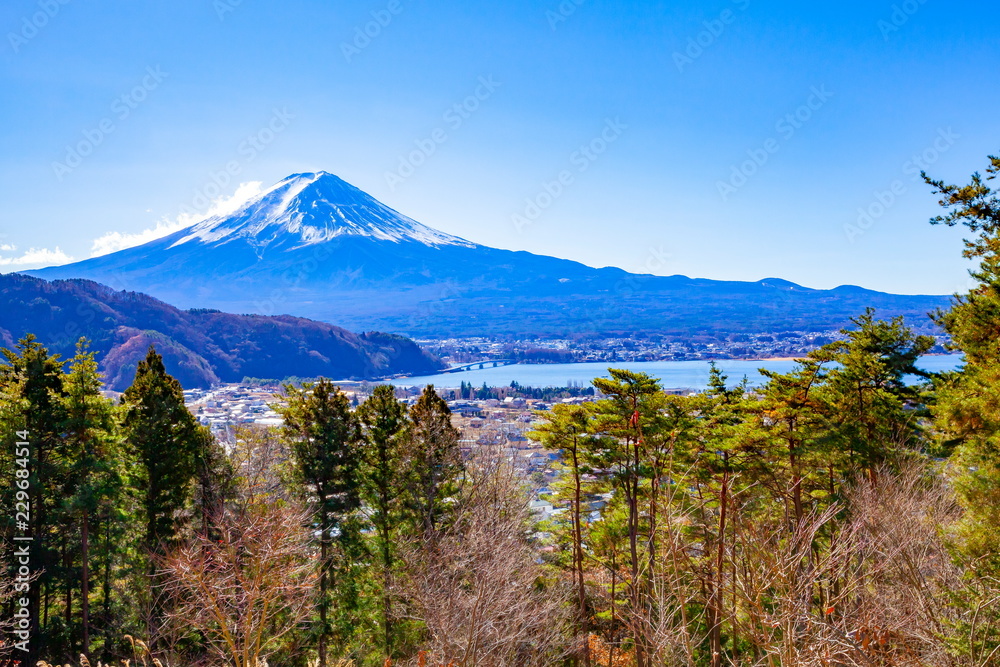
[115, 241]
[33, 258]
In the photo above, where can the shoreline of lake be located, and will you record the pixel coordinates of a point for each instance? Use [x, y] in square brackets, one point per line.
[690, 374]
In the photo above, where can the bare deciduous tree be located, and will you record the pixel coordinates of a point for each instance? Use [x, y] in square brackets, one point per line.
[261, 462]
[477, 586]
[904, 612]
[247, 591]
[254, 584]
[871, 590]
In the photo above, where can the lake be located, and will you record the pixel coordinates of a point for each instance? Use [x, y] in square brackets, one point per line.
[672, 374]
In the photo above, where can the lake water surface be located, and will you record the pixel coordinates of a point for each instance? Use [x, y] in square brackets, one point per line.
[672, 374]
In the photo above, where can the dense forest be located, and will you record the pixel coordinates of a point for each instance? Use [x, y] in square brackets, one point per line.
[843, 513]
[200, 347]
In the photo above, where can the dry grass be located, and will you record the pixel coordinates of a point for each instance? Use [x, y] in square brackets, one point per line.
[141, 655]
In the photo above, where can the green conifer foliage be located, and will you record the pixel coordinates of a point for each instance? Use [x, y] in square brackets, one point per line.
[33, 381]
[167, 442]
[968, 401]
[324, 438]
[385, 426]
[434, 461]
[93, 481]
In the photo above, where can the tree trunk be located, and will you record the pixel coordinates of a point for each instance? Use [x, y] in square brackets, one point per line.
[67, 564]
[108, 567]
[717, 594]
[85, 582]
[793, 460]
[654, 490]
[323, 549]
[39, 551]
[712, 616]
[632, 483]
[614, 581]
[386, 577]
[578, 557]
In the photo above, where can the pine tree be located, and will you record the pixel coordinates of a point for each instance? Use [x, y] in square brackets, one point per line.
[434, 461]
[727, 446]
[33, 380]
[967, 409]
[166, 441]
[214, 482]
[324, 438]
[793, 419]
[566, 429]
[629, 415]
[93, 481]
[866, 388]
[384, 423]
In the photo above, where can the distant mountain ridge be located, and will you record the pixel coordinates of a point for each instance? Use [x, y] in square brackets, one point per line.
[200, 347]
[315, 246]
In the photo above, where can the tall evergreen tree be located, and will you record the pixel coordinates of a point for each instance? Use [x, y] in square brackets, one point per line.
[628, 415]
[214, 482]
[166, 441]
[566, 429]
[726, 447]
[34, 382]
[967, 409]
[385, 424]
[868, 395]
[93, 480]
[324, 437]
[434, 460]
[794, 421]
[968, 404]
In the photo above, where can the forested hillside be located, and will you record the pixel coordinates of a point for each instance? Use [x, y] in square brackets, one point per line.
[200, 347]
[836, 515]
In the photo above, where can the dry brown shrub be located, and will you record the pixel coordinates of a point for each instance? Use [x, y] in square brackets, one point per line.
[476, 584]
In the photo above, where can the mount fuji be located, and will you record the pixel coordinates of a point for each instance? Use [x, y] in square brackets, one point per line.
[315, 246]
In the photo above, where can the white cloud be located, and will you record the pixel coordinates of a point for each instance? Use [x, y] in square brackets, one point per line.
[7, 247]
[35, 258]
[114, 241]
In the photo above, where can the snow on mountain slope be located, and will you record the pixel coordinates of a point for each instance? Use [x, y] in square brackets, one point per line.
[315, 246]
[307, 209]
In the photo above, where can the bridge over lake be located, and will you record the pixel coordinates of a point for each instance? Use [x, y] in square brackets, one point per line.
[480, 365]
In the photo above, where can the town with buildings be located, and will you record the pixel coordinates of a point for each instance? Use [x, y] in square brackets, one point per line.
[651, 347]
[499, 419]
[500, 426]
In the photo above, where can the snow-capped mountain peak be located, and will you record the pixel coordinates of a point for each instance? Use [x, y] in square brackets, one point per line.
[310, 208]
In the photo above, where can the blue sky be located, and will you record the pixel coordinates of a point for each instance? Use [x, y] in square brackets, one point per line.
[730, 139]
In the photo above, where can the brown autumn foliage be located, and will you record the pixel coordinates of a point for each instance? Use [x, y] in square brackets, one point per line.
[477, 587]
[875, 595]
[247, 581]
[248, 589]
